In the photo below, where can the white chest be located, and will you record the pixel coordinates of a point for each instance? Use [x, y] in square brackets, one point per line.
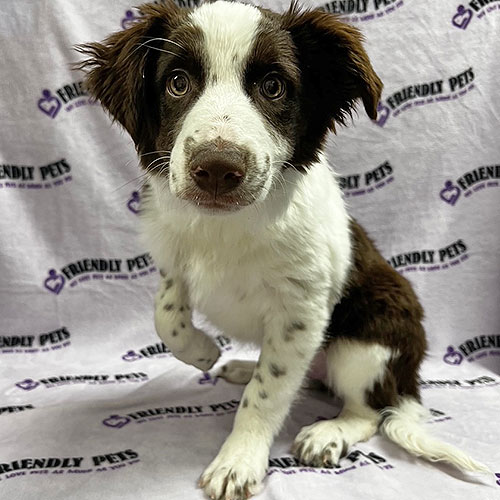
[231, 293]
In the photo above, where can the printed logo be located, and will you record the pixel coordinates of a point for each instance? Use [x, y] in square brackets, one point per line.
[68, 465]
[360, 184]
[49, 104]
[71, 96]
[116, 421]
[55, 282]
[134, 202]
[431, 260]
[206, 378]
[484, 381]
[99, 270]
[452, 357]
[160, 350]
[450, 193]
[27, 384]
[131, 356]
[153, 414]
[414, 96]
[50, 382]
[473, 349]
[383, 113]
[31, 177]
[362, 10]
[470, 183]
[356, 459]
[463, 16]
[43, 342]
[130, 19]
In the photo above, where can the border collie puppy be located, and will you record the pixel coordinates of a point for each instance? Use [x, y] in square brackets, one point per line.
[229, 105]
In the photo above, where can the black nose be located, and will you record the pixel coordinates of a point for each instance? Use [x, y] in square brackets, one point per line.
[217, 170]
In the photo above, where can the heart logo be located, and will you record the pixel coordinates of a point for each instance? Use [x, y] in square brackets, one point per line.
[131, 356]
[452, 357]
[55, 282]
[49, 104]
[129, 19]
[116, 421]
[207, 379]
[383, 113]
[462, 18]
[27, 384]
[134, 202]
[450, 193]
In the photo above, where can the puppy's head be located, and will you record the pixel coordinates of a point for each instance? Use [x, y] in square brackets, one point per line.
[220, 100]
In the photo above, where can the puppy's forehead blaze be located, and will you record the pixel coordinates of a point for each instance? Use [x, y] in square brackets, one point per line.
[229, 32]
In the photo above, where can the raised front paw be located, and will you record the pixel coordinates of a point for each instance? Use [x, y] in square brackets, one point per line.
[201, 352]
[235, 474]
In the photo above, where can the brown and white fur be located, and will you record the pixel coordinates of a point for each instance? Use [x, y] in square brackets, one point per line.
[229, 105]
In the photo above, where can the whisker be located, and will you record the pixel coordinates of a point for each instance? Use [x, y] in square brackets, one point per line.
[144, 154]
[127, 183]
[160, 158]
[161, 50]
[153, 152]
[154, 39]
[145, 44]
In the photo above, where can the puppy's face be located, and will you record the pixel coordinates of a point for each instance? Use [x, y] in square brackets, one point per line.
[222, 99]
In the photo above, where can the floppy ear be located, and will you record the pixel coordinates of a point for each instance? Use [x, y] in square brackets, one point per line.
[335, 68]
[120, 69]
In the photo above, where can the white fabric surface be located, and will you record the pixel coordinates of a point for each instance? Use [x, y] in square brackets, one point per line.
[143, 425]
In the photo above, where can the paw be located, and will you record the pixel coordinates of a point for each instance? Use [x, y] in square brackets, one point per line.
[235, 474]
[320, 445]
[201, 352]
[237, 371]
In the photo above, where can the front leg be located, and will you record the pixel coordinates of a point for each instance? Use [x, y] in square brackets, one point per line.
[174, 326]
[290, 342]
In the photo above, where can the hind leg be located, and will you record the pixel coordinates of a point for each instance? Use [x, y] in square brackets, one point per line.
[356, 371]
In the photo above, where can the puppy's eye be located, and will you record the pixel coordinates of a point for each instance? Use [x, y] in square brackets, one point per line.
[272, 87]
[178, 84]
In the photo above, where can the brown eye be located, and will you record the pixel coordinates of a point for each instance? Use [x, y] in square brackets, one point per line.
[272, 87]
[178, 84]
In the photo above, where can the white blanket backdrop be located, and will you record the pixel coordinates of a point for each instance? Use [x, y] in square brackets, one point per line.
[91, 403]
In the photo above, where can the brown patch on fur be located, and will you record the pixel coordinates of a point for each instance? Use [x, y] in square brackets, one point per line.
[380, 306]
[335, 73]
[117, 67]
[273, 52]
[384, 392]
[276, 371]
[127, 73]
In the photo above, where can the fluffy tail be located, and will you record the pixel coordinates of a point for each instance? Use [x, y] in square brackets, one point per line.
[402, 424]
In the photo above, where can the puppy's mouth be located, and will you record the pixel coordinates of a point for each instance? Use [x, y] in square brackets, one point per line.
[219, 204]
